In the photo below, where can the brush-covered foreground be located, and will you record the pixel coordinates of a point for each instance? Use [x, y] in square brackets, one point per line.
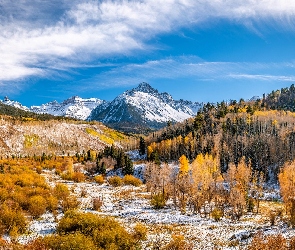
[42, 210]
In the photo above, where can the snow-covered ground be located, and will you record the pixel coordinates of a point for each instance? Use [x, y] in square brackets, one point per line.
[131, 204]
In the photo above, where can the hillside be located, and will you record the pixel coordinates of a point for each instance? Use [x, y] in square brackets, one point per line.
[28, 136]
[230, 132]
[283, 99]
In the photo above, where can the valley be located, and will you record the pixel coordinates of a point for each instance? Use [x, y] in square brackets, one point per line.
[221, 179]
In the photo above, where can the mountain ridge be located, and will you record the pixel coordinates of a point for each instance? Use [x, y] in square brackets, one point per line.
[142, 108]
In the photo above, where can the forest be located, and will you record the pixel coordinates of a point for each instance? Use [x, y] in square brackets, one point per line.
[261, 132]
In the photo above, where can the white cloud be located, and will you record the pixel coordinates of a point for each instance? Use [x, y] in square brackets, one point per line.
[41, 35]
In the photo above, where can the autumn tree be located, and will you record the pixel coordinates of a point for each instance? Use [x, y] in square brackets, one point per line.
[238, 178]
[287, 185]
[206, 179]
[183, 181]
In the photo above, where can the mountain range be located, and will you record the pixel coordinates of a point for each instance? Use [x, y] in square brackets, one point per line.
[140, 109]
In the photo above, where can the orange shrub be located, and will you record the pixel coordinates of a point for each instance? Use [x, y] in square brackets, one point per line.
[131, 180]
[78, 177]
[99, 179]
[37, 206]
[12, 220]
[61, 191]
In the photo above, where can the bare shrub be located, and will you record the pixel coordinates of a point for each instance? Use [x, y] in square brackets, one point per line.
[97, 203]
[271, 242]
[70, 203]
[83, 192]
[178, 243]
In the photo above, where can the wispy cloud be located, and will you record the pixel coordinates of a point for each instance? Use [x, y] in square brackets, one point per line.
[188, 67]
[265, 77]
[40, 36]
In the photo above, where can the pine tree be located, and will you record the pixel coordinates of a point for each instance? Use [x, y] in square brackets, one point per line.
[128, 168]
[142, 146]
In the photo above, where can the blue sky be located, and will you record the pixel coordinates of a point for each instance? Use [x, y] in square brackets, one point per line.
[209, 50]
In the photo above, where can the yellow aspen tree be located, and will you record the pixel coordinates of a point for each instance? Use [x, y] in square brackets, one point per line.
[238, 178]
[183, 182]
[183, 165]
[149, 151]
[205, 175]
[287, 188]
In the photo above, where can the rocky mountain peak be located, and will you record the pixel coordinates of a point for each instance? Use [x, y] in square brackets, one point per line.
[146, 88]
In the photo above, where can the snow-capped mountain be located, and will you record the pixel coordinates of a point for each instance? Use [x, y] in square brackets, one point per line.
[15, 104]
[144, 107]
[138, 109]
[75, 107]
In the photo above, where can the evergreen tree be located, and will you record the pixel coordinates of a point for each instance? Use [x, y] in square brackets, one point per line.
[142, 146]
[128, 168]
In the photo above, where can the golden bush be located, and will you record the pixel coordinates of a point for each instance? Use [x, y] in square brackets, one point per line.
[115, 181]
[140, 232]
[78, 177]
[12, 220]
[69, 242]
[131, 180]
[37, 206]
[52, 203]
[158, 201]
[106, 233]
[61, 191]
[216, 214]
[99, 179]
[39, 169]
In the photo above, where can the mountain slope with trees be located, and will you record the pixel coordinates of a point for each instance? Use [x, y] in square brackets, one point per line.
[230, 132]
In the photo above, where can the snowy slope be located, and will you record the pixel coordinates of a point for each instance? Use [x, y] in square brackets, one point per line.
[145, 106]
[75, 107]
[15, 104]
